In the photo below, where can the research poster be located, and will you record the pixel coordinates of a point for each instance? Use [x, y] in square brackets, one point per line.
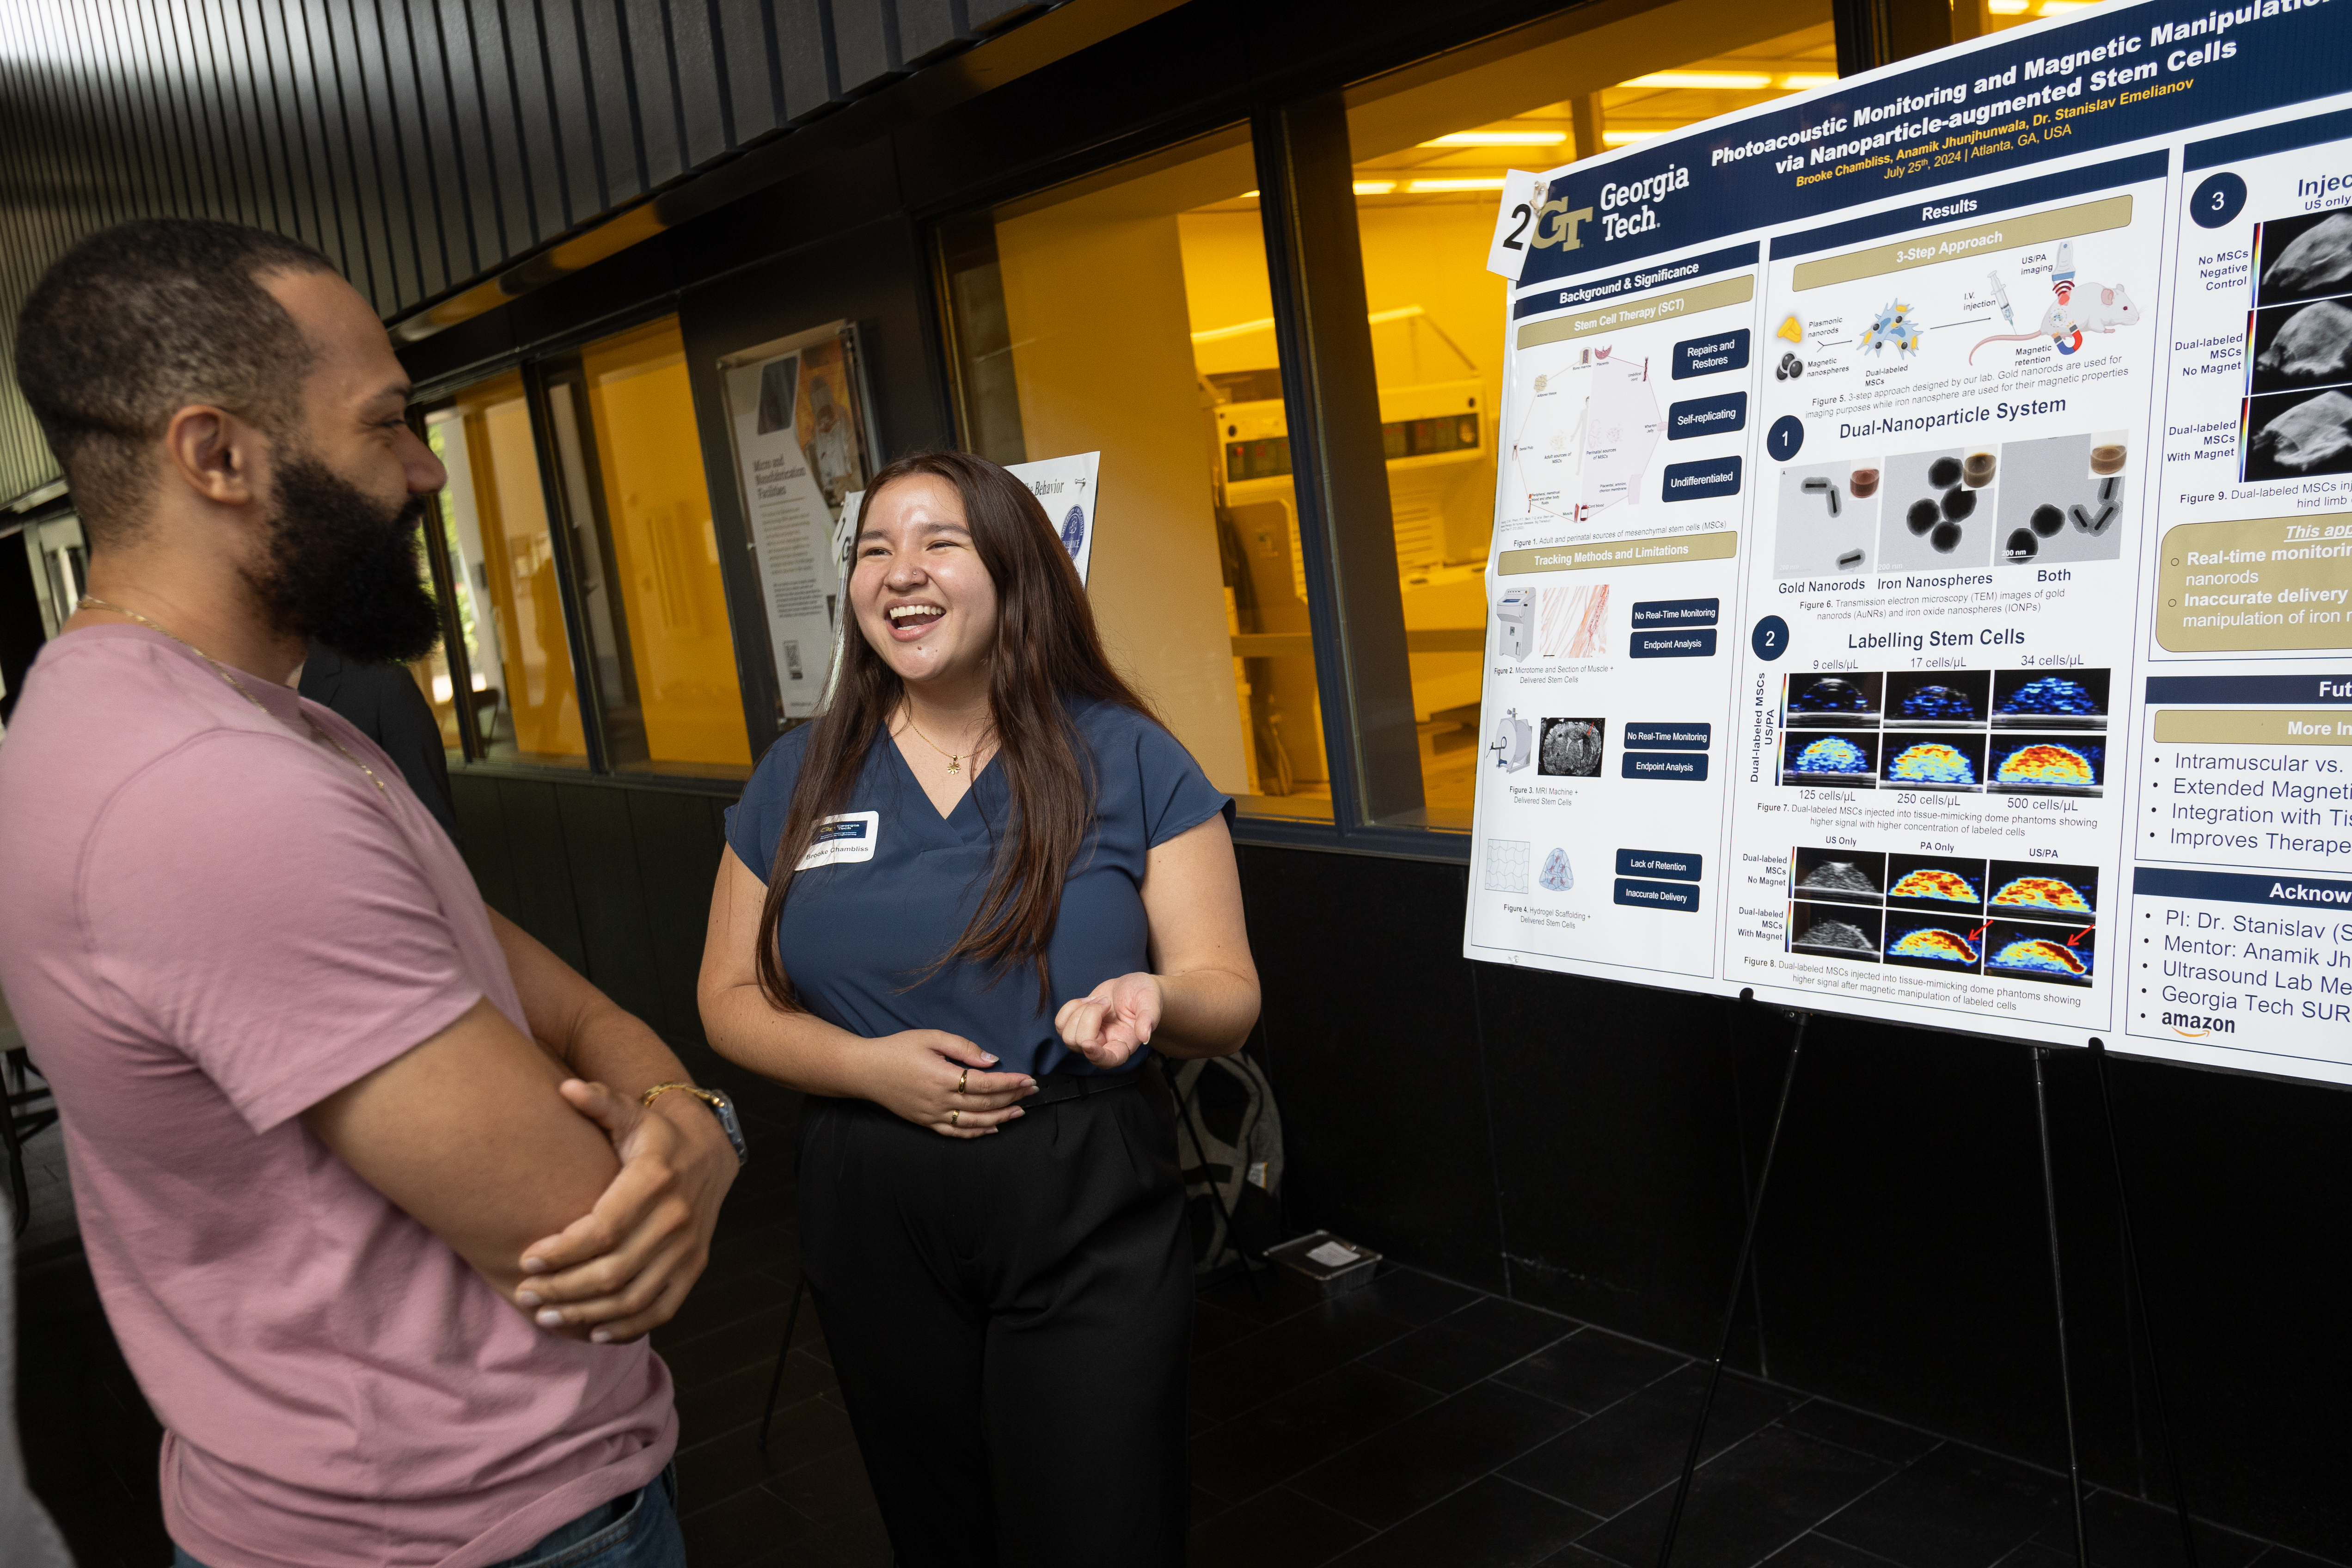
[1922, 578]
[796, 412]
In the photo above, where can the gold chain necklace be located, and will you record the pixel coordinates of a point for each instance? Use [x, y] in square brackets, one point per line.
[91, 602]
[954, 758]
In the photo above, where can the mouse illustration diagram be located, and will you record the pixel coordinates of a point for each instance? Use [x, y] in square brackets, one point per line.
[2076, 310]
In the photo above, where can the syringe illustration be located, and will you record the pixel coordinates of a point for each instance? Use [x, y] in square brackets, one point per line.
[2001, 296]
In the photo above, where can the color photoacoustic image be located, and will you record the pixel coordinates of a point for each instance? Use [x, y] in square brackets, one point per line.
[1836, 930]
[2046, 764]
[1934, 882]
[1934, 698]
[2049, 699]
[2057, 954]
[1844, 875]
[1950, 760]
[1845, 758]
[1947, 944]
[2042, 889]
[1826, 702]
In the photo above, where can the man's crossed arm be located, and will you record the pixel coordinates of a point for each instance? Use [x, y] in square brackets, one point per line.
[531, 1158]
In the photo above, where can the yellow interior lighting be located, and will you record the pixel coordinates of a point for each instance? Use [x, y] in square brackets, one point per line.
[1726, 81]
[1374, 187]
[1419, 187]
[1528, 138]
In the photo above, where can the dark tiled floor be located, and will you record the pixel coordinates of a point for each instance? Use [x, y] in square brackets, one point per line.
[1413, 1423]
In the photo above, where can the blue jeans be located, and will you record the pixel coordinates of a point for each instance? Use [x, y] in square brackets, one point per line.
[636, 1530]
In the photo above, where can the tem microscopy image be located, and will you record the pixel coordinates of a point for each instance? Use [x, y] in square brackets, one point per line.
[1824, 518]
[1572, 748]
[1937, 512]
[2041, 483]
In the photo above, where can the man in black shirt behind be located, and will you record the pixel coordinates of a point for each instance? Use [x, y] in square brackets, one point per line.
[384, 700]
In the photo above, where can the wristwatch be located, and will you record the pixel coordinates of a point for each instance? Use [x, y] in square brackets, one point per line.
[720, 1106]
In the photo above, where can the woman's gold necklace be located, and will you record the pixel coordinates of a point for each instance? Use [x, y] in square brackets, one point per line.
[89, 602]
[954, 758]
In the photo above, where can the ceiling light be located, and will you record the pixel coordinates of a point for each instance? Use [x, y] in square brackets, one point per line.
[2006, 7]
[1374, 187]
[1798, 81]
[1498, 139]
[1419, 186]
[2059, 7]
[1730, 81]
[1620, 138]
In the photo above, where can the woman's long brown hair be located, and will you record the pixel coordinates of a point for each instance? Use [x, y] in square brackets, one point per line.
[1047, 653]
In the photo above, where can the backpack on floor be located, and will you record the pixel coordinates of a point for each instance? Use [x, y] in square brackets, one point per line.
[1228, 1147]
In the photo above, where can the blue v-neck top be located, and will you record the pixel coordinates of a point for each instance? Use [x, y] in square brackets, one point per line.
[899, 883]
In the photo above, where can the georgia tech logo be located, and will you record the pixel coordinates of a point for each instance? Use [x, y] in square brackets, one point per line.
[1557, 223]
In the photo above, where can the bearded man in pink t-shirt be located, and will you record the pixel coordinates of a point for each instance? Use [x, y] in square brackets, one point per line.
[377, 1190]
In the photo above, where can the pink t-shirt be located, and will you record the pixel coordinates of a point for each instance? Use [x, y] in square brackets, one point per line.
[212, 923]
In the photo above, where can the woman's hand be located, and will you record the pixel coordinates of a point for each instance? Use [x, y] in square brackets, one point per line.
[939, 1081]
[1114, 1021]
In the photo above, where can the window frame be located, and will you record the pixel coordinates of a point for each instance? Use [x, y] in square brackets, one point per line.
[1354, 605]
[539, 365]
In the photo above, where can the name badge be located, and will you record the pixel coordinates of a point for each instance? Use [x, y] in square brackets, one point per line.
[850, 837]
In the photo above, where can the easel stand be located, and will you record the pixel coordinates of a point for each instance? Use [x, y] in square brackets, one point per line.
[2139, 1289]
[2057, 1294]
[1731, 1306]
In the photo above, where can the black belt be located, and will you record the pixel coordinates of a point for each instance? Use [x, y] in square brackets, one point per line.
[1053, 1088]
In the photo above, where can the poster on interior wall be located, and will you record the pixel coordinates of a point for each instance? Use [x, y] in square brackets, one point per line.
[799, 417]
[1922, 573]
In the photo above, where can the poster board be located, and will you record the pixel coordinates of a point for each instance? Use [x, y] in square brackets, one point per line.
[800, 423]
[1923, 546]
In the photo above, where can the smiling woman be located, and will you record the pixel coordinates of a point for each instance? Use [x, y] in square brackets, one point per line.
[995, 891]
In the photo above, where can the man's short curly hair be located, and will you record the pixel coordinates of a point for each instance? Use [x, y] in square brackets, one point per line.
[138, 321]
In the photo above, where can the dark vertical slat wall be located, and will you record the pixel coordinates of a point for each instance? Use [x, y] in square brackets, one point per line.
[421, 145]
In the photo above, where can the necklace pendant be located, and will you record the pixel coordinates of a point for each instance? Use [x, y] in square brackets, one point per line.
[951, 765]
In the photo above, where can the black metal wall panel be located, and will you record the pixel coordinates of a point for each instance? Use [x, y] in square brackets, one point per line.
[423, 145]
[865, 43]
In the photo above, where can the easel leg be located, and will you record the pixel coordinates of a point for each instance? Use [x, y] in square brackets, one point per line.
[1731, 1306]
[2139, 1288]
[2058, 1296]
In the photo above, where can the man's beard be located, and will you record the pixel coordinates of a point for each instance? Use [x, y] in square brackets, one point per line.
[343, 569]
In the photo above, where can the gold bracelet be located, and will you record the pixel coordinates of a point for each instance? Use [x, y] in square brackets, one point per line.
[704, 1095]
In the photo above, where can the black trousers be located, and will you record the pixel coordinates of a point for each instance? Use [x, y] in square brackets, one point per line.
[1008, 1317]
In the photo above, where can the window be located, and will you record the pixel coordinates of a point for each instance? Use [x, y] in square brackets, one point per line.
[626, 572]
[523, 704]
[629, 460]
[1131, 313]
[1429, 147]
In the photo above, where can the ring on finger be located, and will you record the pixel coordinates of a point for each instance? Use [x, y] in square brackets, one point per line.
[952, 1117]
[962, 1079]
